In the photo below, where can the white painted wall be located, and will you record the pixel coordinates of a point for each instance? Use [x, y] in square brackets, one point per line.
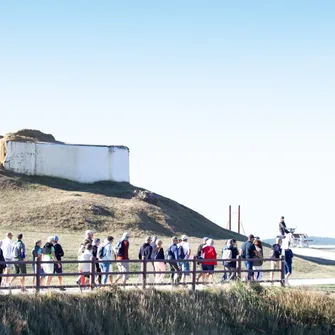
[82, 163]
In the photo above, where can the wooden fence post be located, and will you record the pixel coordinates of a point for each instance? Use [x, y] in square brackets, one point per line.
[38, 273]
[144, 274]
[282, 270]
[92, 277]
[194, 273]
[239, 266]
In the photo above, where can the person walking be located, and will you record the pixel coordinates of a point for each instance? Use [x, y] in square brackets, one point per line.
[250, 254]
[85, 268]
[48, 255]
[145, 254]
[173, 255]
[185, 266]
[58, 268]
[7, 249]
[258, 264]
[209, 255]
[37, 255]
[96, 243]
[288, 262]
[2, 262]
[106, 255]
[121, 250]
[275, 253]
[161, 265]
[19, 253]
[199, 256]
[229, 253]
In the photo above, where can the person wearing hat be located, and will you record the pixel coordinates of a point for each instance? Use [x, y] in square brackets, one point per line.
[185, 266]
[59, 253]
[7, 249]
[121, 250]
[282, 227]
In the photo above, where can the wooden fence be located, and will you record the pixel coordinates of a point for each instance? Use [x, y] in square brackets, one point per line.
[144, 272]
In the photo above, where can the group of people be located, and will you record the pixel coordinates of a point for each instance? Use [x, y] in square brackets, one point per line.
[15, 251]
[178, 254]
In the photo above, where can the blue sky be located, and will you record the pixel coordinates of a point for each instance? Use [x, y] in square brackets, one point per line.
[220, 102]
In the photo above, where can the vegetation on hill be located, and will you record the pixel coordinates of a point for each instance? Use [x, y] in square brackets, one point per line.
[31, 203]
[237, 310]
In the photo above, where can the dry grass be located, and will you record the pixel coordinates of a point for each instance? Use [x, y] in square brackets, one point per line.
[236, 310]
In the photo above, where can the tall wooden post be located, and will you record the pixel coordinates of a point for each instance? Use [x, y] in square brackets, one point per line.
[239, 219]
[229, 224]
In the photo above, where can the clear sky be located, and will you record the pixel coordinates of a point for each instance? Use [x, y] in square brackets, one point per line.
[220, 102]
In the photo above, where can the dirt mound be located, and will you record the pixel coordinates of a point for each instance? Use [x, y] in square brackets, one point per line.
[29, 135]
[24, 135]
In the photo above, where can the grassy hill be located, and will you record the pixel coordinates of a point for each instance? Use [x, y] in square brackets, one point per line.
[43, 203]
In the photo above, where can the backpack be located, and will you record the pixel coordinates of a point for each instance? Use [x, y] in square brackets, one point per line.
[47, 249]
[227, 254]
[274, 251]
[118, 248]
[101, 252]
[181, 253]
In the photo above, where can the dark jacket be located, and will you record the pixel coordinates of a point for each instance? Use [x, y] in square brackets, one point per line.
[145, 251]
[288, 256]
[234, 254]
[2, 259]
[159, 254]
[59, 253]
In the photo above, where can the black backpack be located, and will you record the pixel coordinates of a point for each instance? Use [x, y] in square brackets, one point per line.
[275, 251]
[47, 249]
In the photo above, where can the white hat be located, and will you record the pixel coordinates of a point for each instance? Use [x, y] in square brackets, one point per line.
[184, 238]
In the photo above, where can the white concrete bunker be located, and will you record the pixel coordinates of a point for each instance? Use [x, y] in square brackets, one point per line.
[77, 162]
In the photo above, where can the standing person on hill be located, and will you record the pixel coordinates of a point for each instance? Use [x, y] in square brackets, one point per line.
[288, 262]
[7, 249]
[58, 268]
[161, 265]
[258, 264]
[185, 266]
[209, 254]
[145, 253]
[230, 253]
[199, 256]
[106, 254]
[173, 254]
[48, 255]
[282, 227]
[250, 254]
[19, 252]
[2, 265]
[121, 250]
[275, 252]
[37, 255]
[96, 243]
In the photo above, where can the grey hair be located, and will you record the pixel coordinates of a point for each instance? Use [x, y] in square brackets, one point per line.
[210, 241]
[51, 239]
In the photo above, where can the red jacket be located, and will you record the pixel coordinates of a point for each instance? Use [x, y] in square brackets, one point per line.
[209, 253]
